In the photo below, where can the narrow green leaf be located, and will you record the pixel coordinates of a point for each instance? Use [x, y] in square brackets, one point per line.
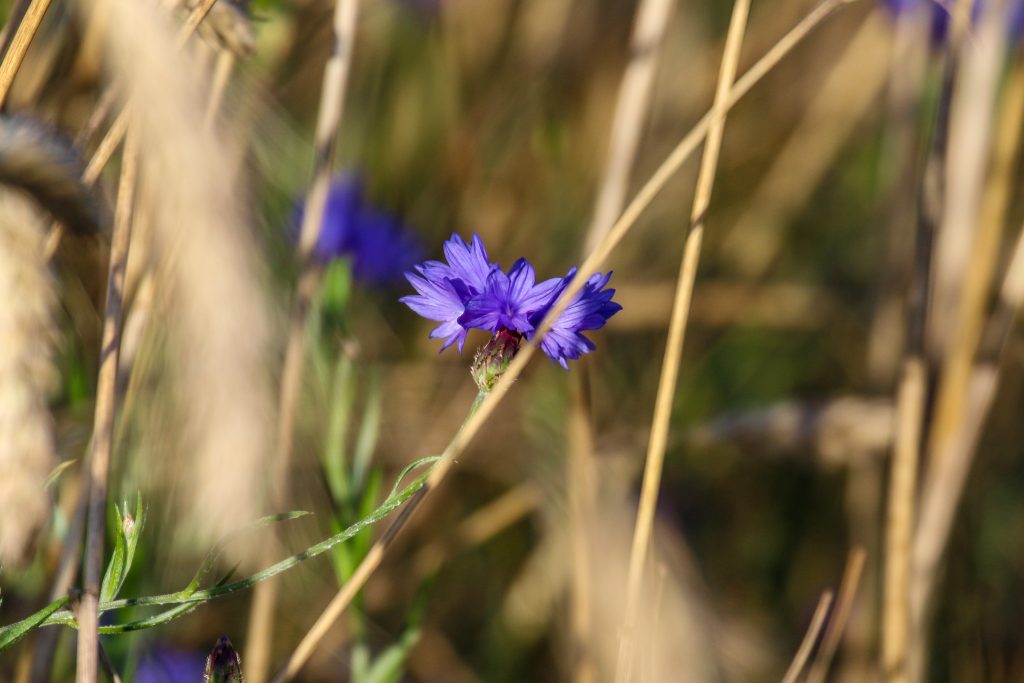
[409, 468]
[390, 664]
[323, 546]
[160, 619]
[133, 532]
[189, 596]
[360, 661]
[113, 577]
[214, 552]
[361, 543]
[12, 633]
[369, 430]
[342, 397]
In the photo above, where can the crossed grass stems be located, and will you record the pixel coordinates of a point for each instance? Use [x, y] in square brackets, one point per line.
[186, 600]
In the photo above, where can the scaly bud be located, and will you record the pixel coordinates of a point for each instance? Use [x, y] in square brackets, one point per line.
[223, 665]
[493, 358]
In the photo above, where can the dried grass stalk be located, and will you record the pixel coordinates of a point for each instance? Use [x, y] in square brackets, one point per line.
[209, 274]
[26, 377]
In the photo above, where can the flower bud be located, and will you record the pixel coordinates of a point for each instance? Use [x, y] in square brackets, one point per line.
[223, 665]
[493, 358]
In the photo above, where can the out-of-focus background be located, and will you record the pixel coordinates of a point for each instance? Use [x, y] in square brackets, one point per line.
[495, 118]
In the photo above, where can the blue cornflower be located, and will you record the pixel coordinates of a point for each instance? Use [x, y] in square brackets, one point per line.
[342, 210]
[471, 292]
[380, 247]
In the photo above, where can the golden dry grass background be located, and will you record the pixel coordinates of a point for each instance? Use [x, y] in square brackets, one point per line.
[496, 117]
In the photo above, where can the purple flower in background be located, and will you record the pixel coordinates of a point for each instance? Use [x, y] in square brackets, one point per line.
[470, 292]
[165, 665]
[940, 15]
[380, 246]
[1016, 13]
[382, 249]
[342, 212]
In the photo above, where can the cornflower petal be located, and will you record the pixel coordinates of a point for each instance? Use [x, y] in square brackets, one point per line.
[440, 300]
[589, 310]
[485, 310]
[468, 262]
[445, 289]
[509, 301]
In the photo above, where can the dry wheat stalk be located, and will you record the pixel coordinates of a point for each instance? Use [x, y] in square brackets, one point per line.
[209, 274]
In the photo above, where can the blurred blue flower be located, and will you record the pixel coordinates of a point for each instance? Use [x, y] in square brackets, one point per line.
[940, 15]
[471, 292]
[165, 665]
[380, 247]
[342, 212]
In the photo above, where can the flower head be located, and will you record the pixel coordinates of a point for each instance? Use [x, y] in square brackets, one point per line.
[509, 301]
[380, 247]
[468, 291]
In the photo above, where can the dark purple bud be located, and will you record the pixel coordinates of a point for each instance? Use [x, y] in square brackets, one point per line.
[223, 665]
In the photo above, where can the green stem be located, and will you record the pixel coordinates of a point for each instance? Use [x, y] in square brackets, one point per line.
[65, 618]
[187, 599]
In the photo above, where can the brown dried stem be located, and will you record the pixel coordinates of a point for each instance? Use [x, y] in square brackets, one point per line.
[103, 426]
[325, 144]
[676, 337]
[837, 624]
[944, 484]
[19, 45]
[796, 667]
[631, 109]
